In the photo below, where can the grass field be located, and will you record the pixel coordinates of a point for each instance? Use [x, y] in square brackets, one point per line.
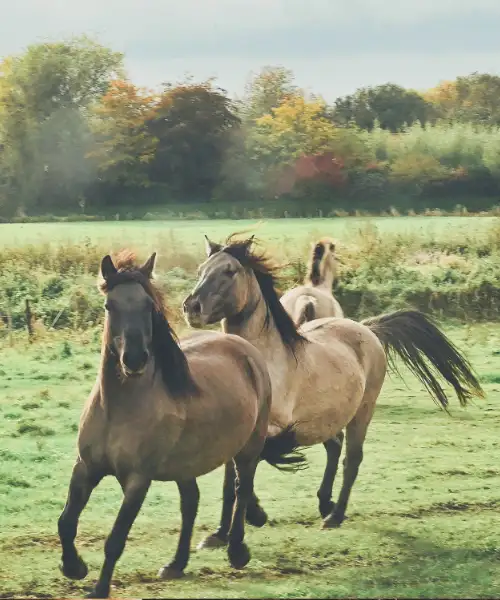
[424, 509]
[190, 233]
[422, 516]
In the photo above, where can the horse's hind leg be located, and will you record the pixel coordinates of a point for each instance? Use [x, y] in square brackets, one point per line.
[355, 437]
[83, 481]
[219, 538]
[190, 498]
[237, 551]
[333, 449]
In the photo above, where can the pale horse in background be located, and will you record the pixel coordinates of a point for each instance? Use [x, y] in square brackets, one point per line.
[314, 299]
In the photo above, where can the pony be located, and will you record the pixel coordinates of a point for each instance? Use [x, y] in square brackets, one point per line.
[314, 299]
[328, 375]
[167, 411]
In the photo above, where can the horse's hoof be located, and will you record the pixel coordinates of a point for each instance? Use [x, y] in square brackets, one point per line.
[239, 555]
[167, 572]
[97, 593]
[256, 516]
[333, 521]
[74, 570]
[211, 542]
[326, 509]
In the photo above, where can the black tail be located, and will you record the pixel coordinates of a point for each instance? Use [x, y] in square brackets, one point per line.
[281, 452]
[414, 337]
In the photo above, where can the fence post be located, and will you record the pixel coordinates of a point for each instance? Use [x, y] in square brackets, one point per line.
[29, 320]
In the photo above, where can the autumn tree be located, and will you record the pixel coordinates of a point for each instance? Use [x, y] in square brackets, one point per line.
[192, 125]
[267, 90]
[389, 105]
[298, 135]
[470, 99]
[123, 146]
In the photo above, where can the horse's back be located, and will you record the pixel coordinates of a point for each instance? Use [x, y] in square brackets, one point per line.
[324, 303]
[336, 335]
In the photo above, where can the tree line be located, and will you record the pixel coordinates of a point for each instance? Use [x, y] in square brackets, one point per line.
[76, 136]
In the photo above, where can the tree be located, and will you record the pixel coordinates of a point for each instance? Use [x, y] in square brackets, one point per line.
[123, 146]
[470, 99]
[266, 91]
[192, 124]
[44, 97]
[298, 137]
[391, 105]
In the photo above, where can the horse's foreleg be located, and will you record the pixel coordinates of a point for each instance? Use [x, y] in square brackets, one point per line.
[219, 538]
[333, 449]
[237, 551]
[190, 499]
[83, 481]
[135, 490]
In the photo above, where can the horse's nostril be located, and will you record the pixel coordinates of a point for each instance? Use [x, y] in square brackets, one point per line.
[196, 307]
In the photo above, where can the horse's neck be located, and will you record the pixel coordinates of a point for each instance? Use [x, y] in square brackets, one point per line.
[327, 279]
[266, 339]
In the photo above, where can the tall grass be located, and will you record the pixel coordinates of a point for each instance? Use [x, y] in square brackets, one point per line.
[455, 275]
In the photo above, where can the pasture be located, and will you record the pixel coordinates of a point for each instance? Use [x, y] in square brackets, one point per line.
[423, 510]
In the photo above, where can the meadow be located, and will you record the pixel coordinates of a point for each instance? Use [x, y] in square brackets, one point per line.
[423, 511]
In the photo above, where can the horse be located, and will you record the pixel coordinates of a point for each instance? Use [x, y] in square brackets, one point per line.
[314, 299]
[167, 411]
[328, 375]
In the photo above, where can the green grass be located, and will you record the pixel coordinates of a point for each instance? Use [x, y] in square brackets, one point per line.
[422, 517]
[190, 233]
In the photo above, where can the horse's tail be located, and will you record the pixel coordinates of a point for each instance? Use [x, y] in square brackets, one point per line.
[281, 451]
[305, 310]
[414, 337]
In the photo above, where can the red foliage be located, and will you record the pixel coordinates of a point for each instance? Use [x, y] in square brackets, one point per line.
[326, 168]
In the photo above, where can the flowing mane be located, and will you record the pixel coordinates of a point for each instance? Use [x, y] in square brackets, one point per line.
[265, 273]
[315, 274]
[169, 357]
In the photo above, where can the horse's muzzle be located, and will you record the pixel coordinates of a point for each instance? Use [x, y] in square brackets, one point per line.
[134, 363]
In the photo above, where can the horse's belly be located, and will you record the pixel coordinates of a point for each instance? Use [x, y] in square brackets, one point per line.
[320, 416]
[182, 465]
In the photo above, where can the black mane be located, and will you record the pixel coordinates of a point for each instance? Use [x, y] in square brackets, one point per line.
[265, 273]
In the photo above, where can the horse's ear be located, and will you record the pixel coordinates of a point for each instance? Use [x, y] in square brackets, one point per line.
[249, 242]
[149, 266]
[211, 247]
[108, 269]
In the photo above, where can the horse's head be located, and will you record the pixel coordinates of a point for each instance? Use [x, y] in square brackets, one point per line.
[130, 309]
[224, 286]
[324, 261]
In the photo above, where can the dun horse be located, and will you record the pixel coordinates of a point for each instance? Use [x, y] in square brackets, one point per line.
[329, 375]
[314, 299]
[168, 412]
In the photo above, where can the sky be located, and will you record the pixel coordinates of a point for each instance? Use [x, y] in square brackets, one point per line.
[332, 46]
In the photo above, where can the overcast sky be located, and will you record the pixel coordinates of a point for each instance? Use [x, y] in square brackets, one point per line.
[333, 46]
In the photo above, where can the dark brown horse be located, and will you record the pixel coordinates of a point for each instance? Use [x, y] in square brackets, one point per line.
[168, 412]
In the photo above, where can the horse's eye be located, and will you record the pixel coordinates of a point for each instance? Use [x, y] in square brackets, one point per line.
[230, 272]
